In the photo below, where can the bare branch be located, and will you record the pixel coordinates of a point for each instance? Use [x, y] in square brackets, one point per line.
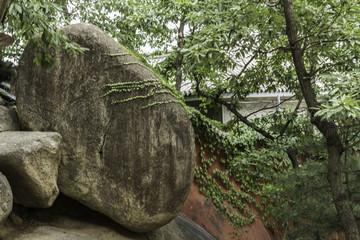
[351, 145]
[246, 65]
[285, 49]
[326, 66]
[317, 43]
[232, 109]
[267, 108]
[291, 118]
[354, 136]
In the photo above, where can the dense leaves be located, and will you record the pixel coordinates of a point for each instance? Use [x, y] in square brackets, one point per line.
[302, 202]
[25, 19]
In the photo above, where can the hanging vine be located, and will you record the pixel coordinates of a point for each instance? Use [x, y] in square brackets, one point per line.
[240, 184]
[155, 86]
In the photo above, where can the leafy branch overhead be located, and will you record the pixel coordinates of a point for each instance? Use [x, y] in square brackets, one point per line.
[26, 19]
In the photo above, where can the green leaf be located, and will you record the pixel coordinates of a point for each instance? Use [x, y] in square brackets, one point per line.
[18, 8]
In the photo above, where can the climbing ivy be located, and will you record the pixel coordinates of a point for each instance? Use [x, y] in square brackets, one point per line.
[247, 169]
[154, 85]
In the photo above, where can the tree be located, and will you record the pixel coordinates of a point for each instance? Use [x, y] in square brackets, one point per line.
[329, 129]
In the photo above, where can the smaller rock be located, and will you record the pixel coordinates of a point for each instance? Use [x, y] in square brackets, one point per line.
[8, 119]
[6, 198]
[30, 162]
[15, 219]
[67, 219]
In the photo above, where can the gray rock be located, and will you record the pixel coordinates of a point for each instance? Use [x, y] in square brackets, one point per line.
[68, 219]
[130, 163]
[6, 198]
[30, 162]
[8, 119]
[75, 229]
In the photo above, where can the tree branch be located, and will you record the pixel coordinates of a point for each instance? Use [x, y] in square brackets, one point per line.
[267, 108]
[351, 145]
[349, 140]
[179, 58]
[285, 49]
[313, 72]
[317, 43]
[232, 109]
[290, 119]
[322, 30]
[246, 65]
[290, 152]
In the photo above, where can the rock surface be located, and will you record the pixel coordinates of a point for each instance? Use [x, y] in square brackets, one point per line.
[30, 162]
[130, 163]
[6, 198]
[8, 119]
[69, 220]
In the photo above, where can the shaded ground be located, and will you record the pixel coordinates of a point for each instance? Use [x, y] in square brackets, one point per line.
[69, 220]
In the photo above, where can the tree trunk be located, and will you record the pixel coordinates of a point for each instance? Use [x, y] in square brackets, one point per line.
[4, 5]
[5, 40]
[328, 129]
[179, 58]
[339, 195]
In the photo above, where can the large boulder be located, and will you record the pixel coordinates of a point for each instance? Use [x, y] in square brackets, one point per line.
[6, 198]
[131, 160]
[30, 161]
[8, 119]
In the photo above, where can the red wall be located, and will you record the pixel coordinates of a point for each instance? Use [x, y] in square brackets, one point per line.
[204, 213]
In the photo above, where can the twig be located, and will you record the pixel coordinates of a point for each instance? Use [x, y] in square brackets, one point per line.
[290, 119]
[266, 108]
[234, 111]
[351, 146]
[246, 65]
[316, 43]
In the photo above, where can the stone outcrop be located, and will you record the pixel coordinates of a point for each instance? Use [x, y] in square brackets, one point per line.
[181, 228]
[6, 198]
[68, 219]
[132, 160]
[8, 119]
[30, 161]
